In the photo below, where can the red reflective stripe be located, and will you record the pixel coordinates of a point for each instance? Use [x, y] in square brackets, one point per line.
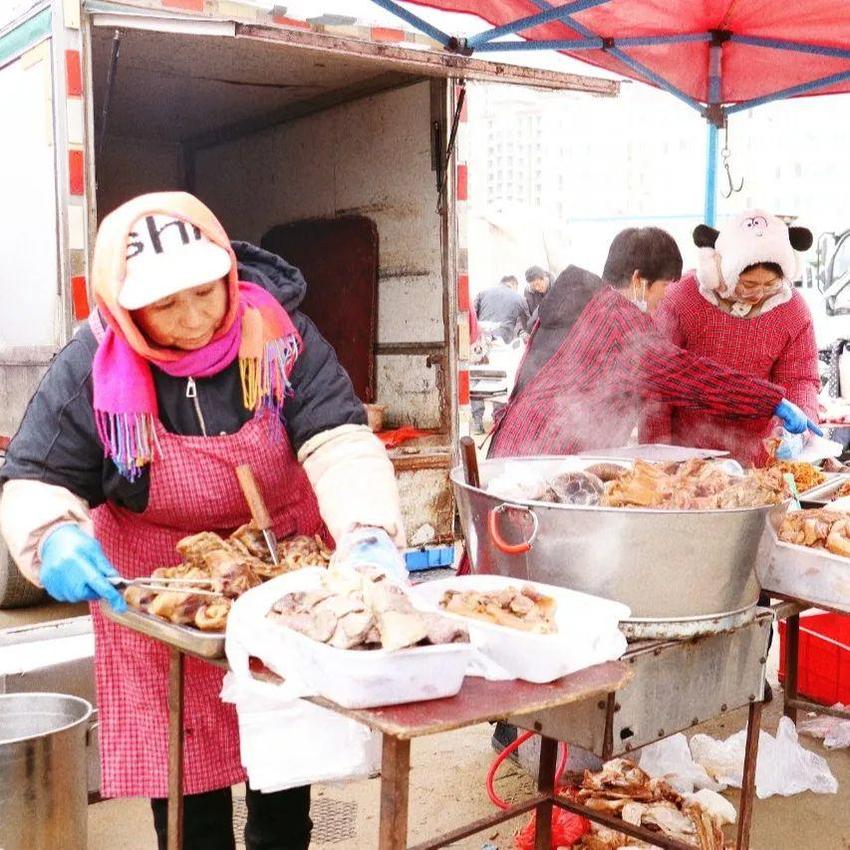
[73, 74]
[463, 386]
[386, 34]
[76, 173]
[463, 293]
[188, 5]
[464, 110]
[80, 297]
[461, 182]
[290, 22]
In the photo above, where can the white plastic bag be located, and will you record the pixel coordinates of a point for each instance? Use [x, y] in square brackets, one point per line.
[670, 759]
[834, 731]
[715, 805]
[350, 678]
[784, 767]
[286, 743]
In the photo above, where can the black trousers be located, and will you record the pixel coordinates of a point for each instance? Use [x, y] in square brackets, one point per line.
[279, 821]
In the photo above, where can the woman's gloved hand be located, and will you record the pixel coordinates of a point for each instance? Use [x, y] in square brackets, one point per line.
[74, 568]
[794, 420]
[371, 546]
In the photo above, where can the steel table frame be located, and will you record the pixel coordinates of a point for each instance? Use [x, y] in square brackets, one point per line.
[400, 724]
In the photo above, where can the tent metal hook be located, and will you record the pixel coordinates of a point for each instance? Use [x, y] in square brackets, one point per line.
[725, 153]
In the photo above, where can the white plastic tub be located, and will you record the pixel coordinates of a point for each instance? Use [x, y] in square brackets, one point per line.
[350, 678]
[588, 631]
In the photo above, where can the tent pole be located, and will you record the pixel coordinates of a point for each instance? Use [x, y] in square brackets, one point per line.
[710, 214]
[714, 115]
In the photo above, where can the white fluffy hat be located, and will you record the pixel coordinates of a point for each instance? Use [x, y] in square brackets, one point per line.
[753, 237]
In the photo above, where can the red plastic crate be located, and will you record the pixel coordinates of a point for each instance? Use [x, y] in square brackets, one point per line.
[823, 668]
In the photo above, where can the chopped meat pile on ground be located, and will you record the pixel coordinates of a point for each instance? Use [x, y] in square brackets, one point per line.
[621, 788]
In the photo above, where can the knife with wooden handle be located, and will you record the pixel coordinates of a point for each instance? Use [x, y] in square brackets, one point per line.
[259, 511]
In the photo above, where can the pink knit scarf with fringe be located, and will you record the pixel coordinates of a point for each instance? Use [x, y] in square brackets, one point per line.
[125, 403]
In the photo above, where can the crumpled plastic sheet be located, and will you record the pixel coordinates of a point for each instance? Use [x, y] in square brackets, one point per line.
[784, 767]
[834, 731]
[670, 759]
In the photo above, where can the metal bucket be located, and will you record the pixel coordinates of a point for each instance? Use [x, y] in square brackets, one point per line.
[682, 573]
[43, 787]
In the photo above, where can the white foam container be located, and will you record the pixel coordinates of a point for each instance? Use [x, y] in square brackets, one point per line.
[588, 631]
[350, 678]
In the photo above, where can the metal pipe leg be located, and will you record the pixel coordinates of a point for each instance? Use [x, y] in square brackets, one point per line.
[175, 749]
[546, 785]
[792, 651]
[748, 782]
[395, 787]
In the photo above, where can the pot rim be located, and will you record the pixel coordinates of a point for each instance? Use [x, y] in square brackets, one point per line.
[30, 695]
[457, 479]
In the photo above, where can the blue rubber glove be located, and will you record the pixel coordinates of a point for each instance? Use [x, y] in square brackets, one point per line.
[371, 546]
[74, 568]
[794, 420]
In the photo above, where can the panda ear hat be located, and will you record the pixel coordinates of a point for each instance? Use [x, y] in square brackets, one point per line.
[753, 237]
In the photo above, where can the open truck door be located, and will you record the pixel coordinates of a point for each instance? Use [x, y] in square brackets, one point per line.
[341, 147]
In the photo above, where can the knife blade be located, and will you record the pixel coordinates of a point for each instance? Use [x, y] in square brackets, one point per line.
[257, 506]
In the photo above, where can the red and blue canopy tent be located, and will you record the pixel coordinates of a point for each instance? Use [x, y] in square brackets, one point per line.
[718, 56]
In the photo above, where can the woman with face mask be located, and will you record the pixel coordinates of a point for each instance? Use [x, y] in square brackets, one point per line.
[740, 309]
[197, 359]
[595, 361]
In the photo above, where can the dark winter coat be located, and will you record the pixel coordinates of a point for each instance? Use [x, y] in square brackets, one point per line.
[57, 441]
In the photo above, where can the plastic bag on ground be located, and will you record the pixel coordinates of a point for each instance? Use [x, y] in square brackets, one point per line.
[784, 767]
[670, 759]
[567, 829]
[715, 805]
[834, 731]
[286, 743]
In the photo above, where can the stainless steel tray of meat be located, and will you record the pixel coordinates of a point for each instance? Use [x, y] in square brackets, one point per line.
[194, 641]
[806, 574]
[826, 492]
[682, 572]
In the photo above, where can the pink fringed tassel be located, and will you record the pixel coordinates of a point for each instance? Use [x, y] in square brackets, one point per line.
[129, 439]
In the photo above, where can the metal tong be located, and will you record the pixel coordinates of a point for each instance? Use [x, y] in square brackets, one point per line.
[164, 585]
[257, 506]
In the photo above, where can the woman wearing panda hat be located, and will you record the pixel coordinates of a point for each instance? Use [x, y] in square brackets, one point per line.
[739, 308]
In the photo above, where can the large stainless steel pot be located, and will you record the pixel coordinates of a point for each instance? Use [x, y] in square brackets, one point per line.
[682, 573]
[43, 787]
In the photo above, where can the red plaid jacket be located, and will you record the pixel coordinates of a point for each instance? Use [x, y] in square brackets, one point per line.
[590, 393]
[777, 346]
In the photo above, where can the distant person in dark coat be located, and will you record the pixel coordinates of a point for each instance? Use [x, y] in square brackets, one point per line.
[538, 285]
[503, 308]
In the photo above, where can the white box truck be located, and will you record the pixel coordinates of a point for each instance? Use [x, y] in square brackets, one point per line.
[323, 138]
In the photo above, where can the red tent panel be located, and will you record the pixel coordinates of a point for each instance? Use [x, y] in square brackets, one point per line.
[748, 71]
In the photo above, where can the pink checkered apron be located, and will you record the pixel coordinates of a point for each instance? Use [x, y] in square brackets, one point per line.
[193, 487]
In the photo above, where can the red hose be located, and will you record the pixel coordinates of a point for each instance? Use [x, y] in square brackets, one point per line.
[495, 799]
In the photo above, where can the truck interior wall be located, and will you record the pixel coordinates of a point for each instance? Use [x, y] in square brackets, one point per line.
[130, 167]
[370, 157]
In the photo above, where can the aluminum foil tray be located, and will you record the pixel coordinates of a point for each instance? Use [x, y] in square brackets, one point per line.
[805, 574]
[193, 641]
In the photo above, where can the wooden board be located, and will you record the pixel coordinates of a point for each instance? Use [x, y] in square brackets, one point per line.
[339, 260]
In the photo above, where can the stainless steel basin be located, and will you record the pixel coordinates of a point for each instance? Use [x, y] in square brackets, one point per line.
[681, 572]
